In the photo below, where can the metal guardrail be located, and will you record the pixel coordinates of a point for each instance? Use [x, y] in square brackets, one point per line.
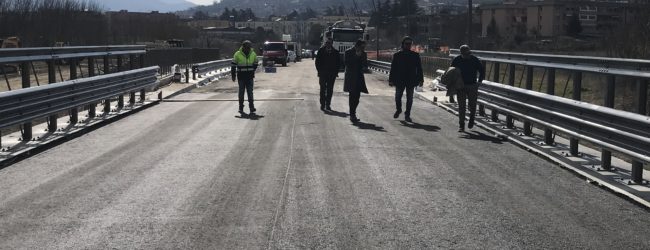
[621, 131]
[24, 58]
[624, 132]
[202, 69]
[618, 66]
[380, 66]
[25, 105]
[610, 68]
[17, 55]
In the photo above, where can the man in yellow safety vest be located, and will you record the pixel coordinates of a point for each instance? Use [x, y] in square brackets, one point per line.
[244, 64]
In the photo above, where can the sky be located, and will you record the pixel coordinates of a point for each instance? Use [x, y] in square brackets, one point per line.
[202, 2]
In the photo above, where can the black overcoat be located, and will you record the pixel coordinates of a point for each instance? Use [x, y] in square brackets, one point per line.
[354, 65]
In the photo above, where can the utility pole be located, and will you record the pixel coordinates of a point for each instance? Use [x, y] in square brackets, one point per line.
[469, 23]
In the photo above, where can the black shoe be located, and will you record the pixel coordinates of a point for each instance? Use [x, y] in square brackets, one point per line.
[328, 108]
[397, 112]
[408, 118]
[471, 124]
[353, 118]
[241, 109]
[461, 128]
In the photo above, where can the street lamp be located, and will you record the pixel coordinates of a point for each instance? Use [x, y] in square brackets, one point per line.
[469, 23]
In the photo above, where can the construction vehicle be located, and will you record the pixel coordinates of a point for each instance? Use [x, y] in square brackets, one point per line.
[344, 35]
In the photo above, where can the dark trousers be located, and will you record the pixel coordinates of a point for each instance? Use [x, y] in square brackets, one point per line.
[399, 91]
[245, 84]
[326, 89]
[354, 101]
[467, 93]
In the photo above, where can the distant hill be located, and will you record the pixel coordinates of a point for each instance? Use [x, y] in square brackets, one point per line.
[264, 8]
[146, 5]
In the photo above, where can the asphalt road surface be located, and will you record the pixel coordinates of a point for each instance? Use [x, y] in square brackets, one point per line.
[196, 175]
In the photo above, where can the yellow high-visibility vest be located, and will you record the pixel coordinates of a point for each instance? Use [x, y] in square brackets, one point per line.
[243, 63]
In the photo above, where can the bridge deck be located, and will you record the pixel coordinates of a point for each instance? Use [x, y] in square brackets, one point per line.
[195, 175]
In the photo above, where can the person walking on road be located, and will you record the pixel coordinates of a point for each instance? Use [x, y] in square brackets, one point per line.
[356, 60]
[469, 66]
[405, 74]
[328, 63]
[244, 64]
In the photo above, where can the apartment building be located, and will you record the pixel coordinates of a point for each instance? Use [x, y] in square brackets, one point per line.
[549, 18]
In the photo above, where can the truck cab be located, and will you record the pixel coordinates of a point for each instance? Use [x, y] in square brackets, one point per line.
[275, 52]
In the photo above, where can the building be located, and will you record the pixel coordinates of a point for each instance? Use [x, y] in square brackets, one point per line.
[445, 8]
[549, 18]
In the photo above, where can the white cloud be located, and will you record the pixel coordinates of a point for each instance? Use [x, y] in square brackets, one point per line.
[202, 2]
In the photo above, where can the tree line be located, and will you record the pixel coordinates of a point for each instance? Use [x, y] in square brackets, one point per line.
[82, 22]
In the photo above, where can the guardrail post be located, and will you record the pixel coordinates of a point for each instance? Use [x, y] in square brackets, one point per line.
[550, 89]
[481, 107]
[510, 123]
[26, 82]
[187, 75]
[577, 95]
[142, 60]
[107, 65]
[120, 68]
[642, 100]
[495, 78]
[92, 109]
[131, 62]
[107, 70]
[51, 78]
[142, 95]
[195, 69]
[528, 126]
[496, 72]
[74, 112]
[132, 99]
[637, 172]
[642, 96]
[132, 66]
[606, 155]
[120, 61]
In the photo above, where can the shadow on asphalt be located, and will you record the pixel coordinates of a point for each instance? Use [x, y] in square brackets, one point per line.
[253, 117]
[336, 113]
[416, 125]
[368, 126]
[481, 137]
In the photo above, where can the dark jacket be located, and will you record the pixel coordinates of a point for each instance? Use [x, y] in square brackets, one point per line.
[468, 68]
[406, 69]
[354, 65]
[328, 63]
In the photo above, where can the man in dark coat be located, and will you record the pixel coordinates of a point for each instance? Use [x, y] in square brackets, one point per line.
[469, 66]
[328, 63]
[356, 60]
[405, 74]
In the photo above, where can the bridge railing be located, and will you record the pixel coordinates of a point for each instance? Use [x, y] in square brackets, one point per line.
[201, 69]
[25, 105]
[612, 130]
[184, 58]
[25, 62]
[610, 69]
